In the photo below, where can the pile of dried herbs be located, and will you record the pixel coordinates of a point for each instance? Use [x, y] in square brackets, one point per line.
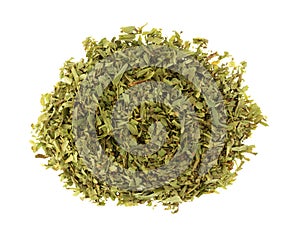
[159, 124]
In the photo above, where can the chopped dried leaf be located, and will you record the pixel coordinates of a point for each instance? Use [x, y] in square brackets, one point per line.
[158, 125]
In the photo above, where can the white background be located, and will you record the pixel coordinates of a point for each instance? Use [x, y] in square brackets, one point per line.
[38, 36]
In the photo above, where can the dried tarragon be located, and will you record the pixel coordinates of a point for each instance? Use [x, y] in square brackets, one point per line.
[54, 138]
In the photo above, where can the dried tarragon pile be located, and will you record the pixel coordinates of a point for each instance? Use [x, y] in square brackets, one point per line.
[53, 136]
